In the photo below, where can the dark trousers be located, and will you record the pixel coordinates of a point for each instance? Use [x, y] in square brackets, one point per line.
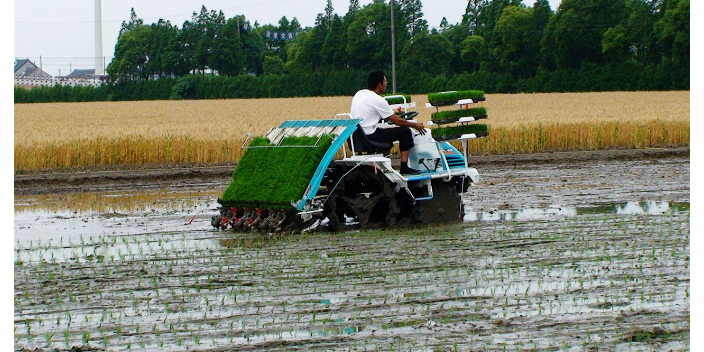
[389, 135]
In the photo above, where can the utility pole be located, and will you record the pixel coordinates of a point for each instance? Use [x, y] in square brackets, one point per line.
[238, 26]
[393, 50]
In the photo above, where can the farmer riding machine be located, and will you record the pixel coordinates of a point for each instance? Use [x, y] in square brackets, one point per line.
[300, 175]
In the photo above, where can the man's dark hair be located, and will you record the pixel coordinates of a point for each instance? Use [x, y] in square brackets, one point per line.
[374, 79]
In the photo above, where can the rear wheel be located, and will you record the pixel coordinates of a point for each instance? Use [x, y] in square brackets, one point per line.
[446, 205]
[364, 196]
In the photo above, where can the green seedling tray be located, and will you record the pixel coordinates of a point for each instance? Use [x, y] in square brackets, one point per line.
[394, 101]
[456, 132]
[451, 98]
[454, 115]
[270, 176]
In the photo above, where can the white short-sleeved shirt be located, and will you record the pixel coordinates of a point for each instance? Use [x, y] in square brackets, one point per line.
[370, 107]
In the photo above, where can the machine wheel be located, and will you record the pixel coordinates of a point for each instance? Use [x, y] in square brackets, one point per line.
[446, 205]
[365, 196]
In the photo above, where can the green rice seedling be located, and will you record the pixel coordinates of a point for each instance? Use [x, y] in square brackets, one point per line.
[449, 98]
[48, 337]
[85, 337]
[454, 132]
[393, 101]
[257, 178]
[454, 115]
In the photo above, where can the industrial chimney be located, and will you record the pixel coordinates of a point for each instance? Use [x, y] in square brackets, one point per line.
[99, 70]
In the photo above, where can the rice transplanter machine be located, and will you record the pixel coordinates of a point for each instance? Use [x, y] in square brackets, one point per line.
[307, 173]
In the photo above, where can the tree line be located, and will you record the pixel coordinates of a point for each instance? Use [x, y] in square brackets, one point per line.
[499, 45]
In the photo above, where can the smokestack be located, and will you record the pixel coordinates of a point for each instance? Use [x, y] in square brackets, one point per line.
[98, 41]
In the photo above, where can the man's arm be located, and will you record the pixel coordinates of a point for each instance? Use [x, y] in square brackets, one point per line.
[398, 121]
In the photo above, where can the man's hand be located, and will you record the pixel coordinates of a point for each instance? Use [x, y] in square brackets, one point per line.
[398, 121]
[420, 128]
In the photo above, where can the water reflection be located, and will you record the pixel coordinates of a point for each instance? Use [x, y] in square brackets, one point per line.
[110, 202]
[72, 215]
[550, 212]
[636, 208]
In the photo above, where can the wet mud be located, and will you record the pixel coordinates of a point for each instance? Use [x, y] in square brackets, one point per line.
[571, 255]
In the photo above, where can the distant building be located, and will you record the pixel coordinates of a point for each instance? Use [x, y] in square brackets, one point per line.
[27, 74]
[26, 68]
[82, 73]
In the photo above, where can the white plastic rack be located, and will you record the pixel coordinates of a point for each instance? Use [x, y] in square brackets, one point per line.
[461, 121]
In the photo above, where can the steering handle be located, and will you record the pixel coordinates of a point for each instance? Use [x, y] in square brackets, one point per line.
[408, 115]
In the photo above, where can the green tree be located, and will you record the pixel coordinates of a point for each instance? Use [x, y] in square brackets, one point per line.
[541, 16]
[207, 23]
[354, 7]
[574, 35]
[143, 51]
[313, 45]
[413, 15]
[161, 38]
[131, 59]
[472, 16]
[227, 56]
[131, 53]
[641, 31]
[615, 44]
[673, 30]
[327, 18]
[197, 39]
[427, 53]
[276, 45]
[488, 17]
[444, 25]
[253, 50]
[517, 51]
[489, 13]
[369, 36]
[333, 50]
[294, 26]
[473, 50]
[296, 62]
[457, 34]
[305, 52]
[183, 54]
[133, 23]
[273, 65]
[284, 24]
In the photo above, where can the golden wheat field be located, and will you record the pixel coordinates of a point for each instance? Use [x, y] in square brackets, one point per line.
[59, 135]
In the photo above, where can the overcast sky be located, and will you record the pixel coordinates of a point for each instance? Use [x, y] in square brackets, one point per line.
[61, 32]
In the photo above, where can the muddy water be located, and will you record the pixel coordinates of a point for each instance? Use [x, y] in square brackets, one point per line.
[575, 256]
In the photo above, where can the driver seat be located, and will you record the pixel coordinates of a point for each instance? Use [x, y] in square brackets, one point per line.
[363, 145]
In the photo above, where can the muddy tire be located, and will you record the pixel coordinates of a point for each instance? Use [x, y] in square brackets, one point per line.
[364, 195]
[446, 205]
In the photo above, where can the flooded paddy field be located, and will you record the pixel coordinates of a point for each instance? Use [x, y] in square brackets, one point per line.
[566, 256]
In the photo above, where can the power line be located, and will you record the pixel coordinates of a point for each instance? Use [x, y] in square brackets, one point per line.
[60, 57]
[251, 5]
